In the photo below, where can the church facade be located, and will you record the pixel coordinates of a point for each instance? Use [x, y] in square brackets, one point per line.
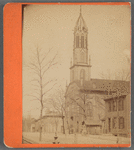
[85, 105]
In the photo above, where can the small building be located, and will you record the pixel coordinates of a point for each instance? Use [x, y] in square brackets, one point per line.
[50, 123]
[94, 128]
[118, 115]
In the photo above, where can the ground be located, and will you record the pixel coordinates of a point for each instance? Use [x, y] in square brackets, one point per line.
[48, 138]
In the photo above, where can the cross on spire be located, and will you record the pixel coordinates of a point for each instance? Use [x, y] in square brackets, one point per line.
[80, 9]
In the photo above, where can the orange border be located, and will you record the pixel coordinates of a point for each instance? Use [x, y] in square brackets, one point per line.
[13, 77]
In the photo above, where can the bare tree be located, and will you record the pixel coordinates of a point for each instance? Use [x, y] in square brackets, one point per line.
[27, 123]
[39, 66]
[57, 101]
[78, 99]
[56, 121]
[122, 74]
[81, 99]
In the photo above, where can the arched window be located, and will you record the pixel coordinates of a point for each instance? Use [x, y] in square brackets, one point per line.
[114, 123]
[109, 106]
[82, 76]
[86, 42]
[121, 123]
[121, 104]
[77, 41]
[114, 105]
[90, 109]
[82, 41]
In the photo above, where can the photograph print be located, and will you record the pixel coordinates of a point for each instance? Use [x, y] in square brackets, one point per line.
[76, 74]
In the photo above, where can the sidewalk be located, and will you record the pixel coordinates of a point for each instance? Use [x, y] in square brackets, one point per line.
[48, 138]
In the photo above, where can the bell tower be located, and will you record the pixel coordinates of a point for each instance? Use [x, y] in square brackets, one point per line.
[80, 66]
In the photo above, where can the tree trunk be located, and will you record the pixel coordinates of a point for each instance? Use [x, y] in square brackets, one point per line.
[63, 125]
[40, 130]
[84, 125]
[68, 126]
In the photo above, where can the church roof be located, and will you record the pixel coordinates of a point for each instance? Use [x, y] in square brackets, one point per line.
[80, 24]
[105, 85]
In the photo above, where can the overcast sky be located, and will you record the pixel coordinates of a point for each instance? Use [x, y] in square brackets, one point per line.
[51, 26]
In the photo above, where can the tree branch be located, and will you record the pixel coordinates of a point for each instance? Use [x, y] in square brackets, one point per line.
[48, 83]
[34, 97]
[77, 103]
[48, 90]
[46, 55]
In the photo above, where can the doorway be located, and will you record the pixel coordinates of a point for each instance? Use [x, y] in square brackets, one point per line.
[109, 124]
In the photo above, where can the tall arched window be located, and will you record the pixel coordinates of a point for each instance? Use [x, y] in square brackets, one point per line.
[121, 104]
[86, 42]
[77, 41]
[82, 76]
[121, 123]
[82, 41]
[90, 109]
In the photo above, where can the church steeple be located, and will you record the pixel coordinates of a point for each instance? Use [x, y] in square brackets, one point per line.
[80, 41]
[80, 51]
[80, 24]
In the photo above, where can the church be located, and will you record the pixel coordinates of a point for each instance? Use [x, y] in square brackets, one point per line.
[94, 103]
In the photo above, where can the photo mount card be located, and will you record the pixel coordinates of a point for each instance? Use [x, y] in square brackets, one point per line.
[67, 74]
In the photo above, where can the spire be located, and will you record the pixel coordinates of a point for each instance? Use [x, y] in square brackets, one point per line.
[80, 9]
[80, 24]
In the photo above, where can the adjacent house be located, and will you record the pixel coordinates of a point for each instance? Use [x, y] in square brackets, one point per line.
[118, 114]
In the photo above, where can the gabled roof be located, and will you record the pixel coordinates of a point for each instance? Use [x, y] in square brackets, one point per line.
[75, 83]
[108, 85]
[105, 85]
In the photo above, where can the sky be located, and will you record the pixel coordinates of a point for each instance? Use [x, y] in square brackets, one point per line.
[52, 26]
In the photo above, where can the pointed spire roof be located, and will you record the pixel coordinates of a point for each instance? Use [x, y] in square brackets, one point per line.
[80, 24]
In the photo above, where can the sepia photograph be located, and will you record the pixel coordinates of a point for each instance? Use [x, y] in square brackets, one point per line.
[76, 73]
